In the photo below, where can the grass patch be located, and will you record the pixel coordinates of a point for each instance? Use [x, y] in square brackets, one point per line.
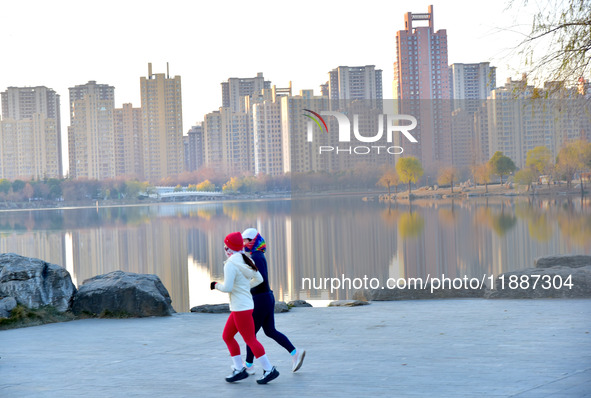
[22, 316]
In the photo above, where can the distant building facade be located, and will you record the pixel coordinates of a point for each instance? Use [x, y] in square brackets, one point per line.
[91, 134]
[162, 125]
[30, 133]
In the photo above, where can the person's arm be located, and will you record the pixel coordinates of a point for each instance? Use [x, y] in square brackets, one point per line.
[229, 276]
[256, 280]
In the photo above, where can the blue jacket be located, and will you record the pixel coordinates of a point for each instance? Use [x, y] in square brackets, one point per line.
[261, 262]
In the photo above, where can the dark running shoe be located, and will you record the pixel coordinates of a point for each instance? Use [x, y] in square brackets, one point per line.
[237, 375]
[268, 376]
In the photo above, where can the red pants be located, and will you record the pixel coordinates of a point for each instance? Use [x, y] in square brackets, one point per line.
[241, 321]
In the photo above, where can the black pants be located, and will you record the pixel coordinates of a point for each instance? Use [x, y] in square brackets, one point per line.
[264, 317]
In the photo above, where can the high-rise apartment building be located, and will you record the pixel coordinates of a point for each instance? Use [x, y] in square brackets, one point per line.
[521, 117]
[128, 142]
[299, 155]
[30, 133]
[91, 134]
[162, 139]
[212, 139]
[195, 153]
[355, 83]
[422, 89]
[267, 134]
[471, 85]
[235, 88]
[227, 141]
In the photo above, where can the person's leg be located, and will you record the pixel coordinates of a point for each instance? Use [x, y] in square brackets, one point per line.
[228, 335]
[297, 355]
[257, 316]
[268, 324]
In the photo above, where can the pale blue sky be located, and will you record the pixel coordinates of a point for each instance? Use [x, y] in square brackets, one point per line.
[63, 43]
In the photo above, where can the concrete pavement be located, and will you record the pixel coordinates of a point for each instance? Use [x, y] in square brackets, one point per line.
[425, 348]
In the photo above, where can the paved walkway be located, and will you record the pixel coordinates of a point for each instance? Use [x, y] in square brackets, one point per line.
[427, 348]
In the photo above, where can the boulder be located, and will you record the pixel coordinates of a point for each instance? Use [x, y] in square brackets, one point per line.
[280, 306]
[7, 304]
[35, 283]
[543, 283]
[121, 293]
[299, 303]
[572, 261]
[347, 303]
[212, 308]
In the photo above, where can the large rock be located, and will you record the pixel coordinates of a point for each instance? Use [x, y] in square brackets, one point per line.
[347, 303]
[280, 307]
[572, 261]
[543, 283]
[34, 283]
[121, 293]
[299, 303]
[212, 308]
[7, 304]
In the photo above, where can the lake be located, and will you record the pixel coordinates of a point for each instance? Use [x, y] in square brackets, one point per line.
[312, 238]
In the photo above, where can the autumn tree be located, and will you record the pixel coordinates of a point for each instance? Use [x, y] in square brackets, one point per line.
[205, 186]
[447, 175]
[482, 175]
[526, 176]
[389, 178]
[539, 160]
[409, 170]
[574, 157]
[501, 165]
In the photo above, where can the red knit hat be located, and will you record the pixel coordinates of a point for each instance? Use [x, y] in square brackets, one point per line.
[234, 241]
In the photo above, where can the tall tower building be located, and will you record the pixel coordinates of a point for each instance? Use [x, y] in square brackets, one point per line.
[235, 88]
[91, 134]
[30, 133]
[163, 150]
[422, 89]
[128, 142]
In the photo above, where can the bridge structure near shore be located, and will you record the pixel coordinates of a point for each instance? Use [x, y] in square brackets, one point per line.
[172, 193]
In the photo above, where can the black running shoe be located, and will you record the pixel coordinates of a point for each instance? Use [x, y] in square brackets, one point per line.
[237, 375]
[268, 376]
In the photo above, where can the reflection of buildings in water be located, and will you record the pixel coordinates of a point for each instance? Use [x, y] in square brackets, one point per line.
[198, 288]
[157, 248]
[332, 241]
[45, 245]
[69, 257]
[322, 238]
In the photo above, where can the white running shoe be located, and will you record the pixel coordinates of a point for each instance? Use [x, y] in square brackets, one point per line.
[250, 370]
[297, 360]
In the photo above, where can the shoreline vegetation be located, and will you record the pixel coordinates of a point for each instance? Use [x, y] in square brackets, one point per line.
[417, 194]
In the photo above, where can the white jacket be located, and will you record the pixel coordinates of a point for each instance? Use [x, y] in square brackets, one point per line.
[239, 278]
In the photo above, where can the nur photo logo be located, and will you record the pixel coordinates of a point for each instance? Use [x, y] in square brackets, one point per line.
[393, 124]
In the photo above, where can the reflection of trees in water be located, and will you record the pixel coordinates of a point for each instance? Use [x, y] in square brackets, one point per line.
[390, 215]
[538, 224]
[575, 225]
[499, 221]
[448, 216]
[410, 225]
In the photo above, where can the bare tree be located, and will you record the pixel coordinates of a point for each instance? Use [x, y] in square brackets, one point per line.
[566, 26]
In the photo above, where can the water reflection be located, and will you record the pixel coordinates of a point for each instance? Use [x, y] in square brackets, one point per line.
[307, 238]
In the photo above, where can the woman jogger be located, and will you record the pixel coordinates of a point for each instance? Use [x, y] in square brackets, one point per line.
[240, 275]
